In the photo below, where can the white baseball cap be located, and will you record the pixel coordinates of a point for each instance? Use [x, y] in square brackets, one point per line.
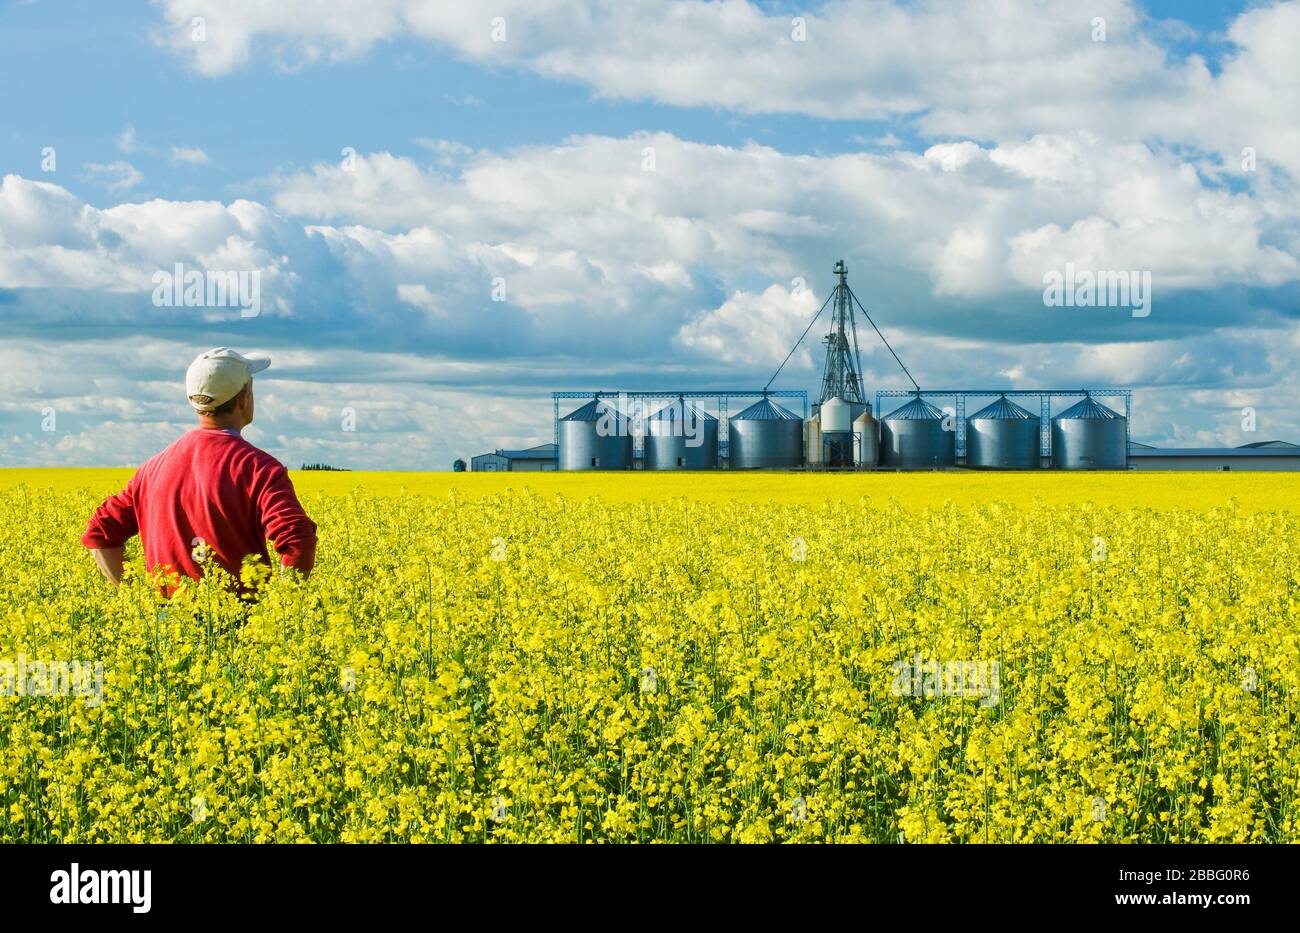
[217, 376]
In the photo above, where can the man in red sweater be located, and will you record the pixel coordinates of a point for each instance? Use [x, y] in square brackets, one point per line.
[211, 495]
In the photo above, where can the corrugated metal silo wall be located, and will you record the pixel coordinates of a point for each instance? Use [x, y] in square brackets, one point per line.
[1089, 444]
[580, 444]
[767, 444]
[662, 451]
[916, 442]
[1003, 443]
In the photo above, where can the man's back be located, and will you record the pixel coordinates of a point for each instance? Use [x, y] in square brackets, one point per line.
[210, 490]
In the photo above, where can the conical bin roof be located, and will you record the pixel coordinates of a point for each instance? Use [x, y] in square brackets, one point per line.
[1088, 410]
[918, 409]
[595, 410]
[765, 410]
[1003, 410]
[672, 410]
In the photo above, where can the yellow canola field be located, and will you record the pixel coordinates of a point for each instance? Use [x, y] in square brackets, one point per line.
[706, 657]
[1251, 491]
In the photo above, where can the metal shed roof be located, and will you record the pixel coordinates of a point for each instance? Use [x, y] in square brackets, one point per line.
[540, 452]
[1215, 452]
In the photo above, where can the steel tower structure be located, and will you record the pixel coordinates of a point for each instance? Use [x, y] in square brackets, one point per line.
[842, 376]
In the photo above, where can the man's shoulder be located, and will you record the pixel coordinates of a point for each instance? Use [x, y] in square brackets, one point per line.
[225, 445]
[249, 453]
[163, 456]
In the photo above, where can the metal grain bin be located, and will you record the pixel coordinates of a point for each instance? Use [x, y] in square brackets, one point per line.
[836, 415]
[765, 435]
[1003, 436]
[866, 439]
[595, 437]
[1089, 436]
[813, 440]
[914, 436]
[681, 436]
[837, 432]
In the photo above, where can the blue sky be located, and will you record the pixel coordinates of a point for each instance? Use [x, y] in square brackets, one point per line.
[99, 75]
[76, 78]
[952, 156]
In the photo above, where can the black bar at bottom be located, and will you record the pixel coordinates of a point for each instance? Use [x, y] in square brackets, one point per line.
[341, 883]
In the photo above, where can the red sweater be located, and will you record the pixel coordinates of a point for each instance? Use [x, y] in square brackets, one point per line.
[213, 486]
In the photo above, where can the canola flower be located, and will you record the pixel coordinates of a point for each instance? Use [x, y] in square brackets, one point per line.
[675, 659]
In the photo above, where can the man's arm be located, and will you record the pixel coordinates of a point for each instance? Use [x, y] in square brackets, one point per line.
[110, 561]
[112, 525]
[285, 523]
